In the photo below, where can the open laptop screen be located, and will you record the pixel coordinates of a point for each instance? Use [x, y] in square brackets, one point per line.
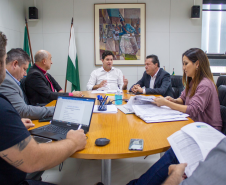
[74, 110]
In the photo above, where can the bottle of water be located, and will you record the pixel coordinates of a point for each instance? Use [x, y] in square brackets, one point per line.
[118, 98]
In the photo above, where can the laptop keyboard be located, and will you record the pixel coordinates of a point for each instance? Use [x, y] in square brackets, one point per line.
[54, 129]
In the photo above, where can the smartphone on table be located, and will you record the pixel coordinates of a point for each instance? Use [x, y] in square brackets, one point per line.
[136, 144]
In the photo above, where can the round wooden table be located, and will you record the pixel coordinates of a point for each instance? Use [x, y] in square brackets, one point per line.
[120, 128]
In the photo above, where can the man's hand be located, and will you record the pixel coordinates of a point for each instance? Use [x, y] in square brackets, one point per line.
[77, 93]
[102, 84]
[136, 88]
[177, 168]
[78, 137]
[27, 123]
[125, 81]
[176, 173]
[61, 91]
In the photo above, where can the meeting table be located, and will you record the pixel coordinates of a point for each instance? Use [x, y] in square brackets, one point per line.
[120, 128]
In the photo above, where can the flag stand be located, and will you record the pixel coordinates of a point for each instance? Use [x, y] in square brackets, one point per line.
[29, 41]
[66, 67]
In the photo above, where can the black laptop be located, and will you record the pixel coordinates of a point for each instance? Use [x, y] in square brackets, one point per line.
[70, 113]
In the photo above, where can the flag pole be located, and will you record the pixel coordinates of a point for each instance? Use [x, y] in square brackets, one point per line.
[66, 67]
[29, 41]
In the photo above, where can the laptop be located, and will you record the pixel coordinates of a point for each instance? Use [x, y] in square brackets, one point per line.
[70, 113]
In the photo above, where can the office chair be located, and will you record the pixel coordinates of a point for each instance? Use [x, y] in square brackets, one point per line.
[221, 80]
[222, 99]
[22, 86]
[177, 85]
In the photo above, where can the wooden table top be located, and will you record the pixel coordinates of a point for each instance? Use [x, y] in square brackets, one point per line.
[120, 128]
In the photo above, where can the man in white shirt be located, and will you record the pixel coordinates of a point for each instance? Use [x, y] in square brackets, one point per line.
[155, 80]
[107, 77]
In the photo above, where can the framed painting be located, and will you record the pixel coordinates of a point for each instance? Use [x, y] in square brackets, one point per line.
[121, 29]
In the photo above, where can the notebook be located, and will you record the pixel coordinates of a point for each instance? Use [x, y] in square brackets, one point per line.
[70, 113]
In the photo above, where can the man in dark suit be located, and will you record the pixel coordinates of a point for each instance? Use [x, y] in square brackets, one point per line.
[40, 86]
[16, 65]
[155, 80]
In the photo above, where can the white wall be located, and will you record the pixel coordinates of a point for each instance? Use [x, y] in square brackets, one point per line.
[169, 32]
[12, 22]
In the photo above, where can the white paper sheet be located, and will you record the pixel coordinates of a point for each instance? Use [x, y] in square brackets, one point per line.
[110, 109]
[124, 109]
[193, 143]
[205, 135]
[145, 98]
[186, 150]
[98, 92]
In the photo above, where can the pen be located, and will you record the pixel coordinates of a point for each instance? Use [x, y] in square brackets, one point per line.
[79, 127]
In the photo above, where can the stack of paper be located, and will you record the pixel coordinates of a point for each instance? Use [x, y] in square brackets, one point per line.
[110, 109]
[143, 107]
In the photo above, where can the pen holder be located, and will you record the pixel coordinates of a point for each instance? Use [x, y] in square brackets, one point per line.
[102, 106]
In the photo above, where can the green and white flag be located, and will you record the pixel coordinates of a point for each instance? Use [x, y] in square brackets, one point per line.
[26, 46]
[173, 72]
[72, 64]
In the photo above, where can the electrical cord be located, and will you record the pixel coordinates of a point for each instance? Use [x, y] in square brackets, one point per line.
[110, 102]
[61, 166]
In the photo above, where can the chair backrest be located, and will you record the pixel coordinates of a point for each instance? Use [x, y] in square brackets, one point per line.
[22, 85]
[222, 99]
[221, 80]
[177, 85]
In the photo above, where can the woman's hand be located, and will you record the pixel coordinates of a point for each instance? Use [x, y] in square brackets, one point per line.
[160, 101]
[171, 99]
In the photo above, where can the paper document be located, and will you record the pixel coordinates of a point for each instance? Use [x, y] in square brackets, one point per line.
[193, 142]
[145, 98]
[110, 109]
[106, 91]
[143, 107]
[113, 91]
[98, 92]
[124, 109]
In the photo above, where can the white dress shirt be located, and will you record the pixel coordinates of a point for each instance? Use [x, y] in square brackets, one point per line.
[114, 79]
[152, 82]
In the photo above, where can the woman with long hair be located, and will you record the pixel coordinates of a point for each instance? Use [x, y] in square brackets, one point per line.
[199, 98]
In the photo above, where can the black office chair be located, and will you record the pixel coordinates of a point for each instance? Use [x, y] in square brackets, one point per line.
[22, 85]
[221, 80]
[222, 99]
[177, 85]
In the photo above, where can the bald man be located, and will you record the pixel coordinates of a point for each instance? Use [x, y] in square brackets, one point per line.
[41, 87]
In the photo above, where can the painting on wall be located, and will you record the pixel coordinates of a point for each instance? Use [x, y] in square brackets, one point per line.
[120, 28]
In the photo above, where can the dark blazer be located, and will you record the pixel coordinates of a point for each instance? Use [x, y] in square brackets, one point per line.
[162, 84]
[38, 88]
